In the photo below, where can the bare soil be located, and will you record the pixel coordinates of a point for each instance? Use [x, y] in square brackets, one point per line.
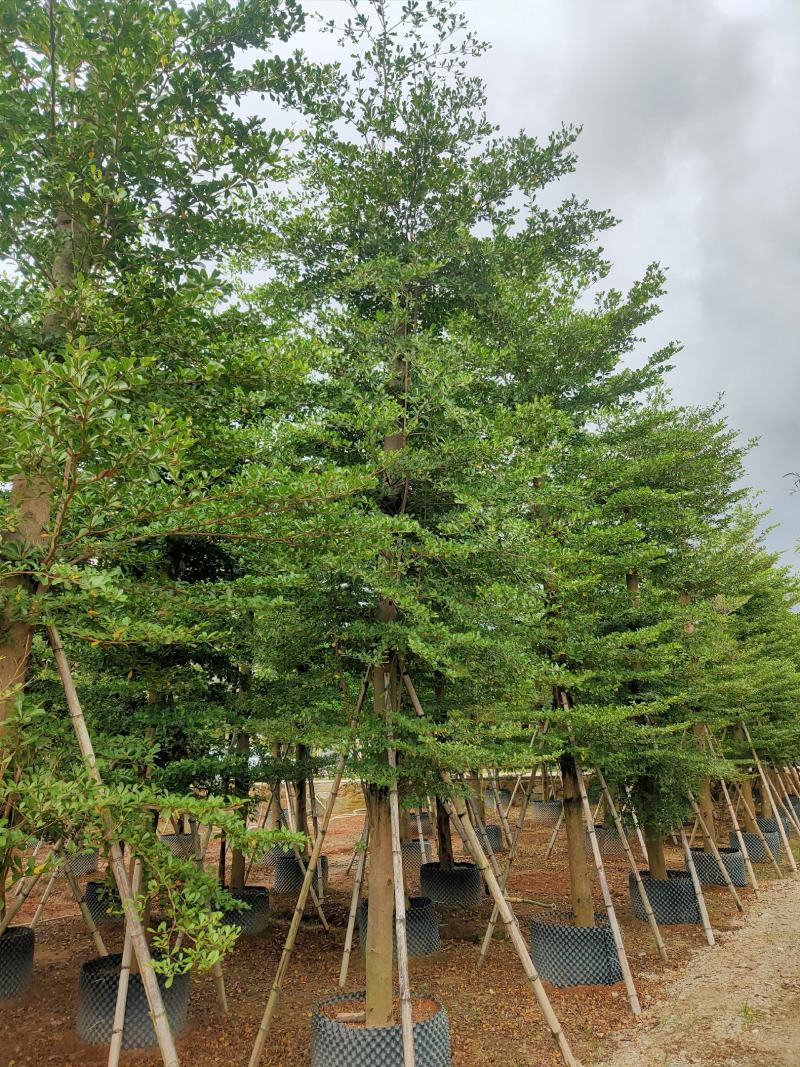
[494, 1019]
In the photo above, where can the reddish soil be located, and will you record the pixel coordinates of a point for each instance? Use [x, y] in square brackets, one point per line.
[493, 1016]
[422, 1008]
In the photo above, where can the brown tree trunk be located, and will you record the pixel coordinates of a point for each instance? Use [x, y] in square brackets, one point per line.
[381, 910]
[444, 837]
[654, 840]
[475, 783]
[275, 799]
[704, 801]
[238, 865]
[580, 887]
[301, 802]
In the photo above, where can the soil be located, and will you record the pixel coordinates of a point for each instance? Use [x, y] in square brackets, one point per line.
[422, 1008]
[494, 1018]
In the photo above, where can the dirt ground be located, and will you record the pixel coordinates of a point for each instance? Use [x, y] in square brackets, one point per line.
[719, 1003]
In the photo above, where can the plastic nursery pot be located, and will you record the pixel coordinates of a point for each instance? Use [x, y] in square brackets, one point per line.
[424, 818]
[97, 998]
[755, 846]
[338, 1044]
[81, 863]
[611, 847]
[673, 899]
[545, 812]
[708, 869]
[422, 927]
[504, 794]
[495, 836]
[459, 887]
[253, 919]
[180, 845]
[566, 955]
[103, 902]
[16, 961]
[289, 877]
[414, 857]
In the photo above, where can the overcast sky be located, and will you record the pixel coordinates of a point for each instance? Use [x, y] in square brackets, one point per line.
[691, 137]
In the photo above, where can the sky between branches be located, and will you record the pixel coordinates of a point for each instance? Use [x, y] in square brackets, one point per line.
[690, 111]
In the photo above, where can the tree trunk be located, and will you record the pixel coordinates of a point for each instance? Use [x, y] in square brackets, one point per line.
[704, 801]
[223, 857]
[301, 803]
[238, 865]
[475, 782]
[275, 800]
[380, 927]
[654, 840]
[444, 837]
[580, 887]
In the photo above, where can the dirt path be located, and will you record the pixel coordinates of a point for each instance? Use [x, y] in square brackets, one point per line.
[737, 1004]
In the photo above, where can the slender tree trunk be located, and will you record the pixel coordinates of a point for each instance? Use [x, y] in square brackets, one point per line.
[238, 866]
[748, 820]
[444, 837]
[275, 801]
[475, 783]
[381, 910]
[223, 858]
[580, 886]
[704, 801]
[656, 859]
[301, 802]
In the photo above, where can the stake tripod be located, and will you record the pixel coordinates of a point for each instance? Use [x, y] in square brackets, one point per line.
[712, 847]
[767, 786]
[751, 874]
[354, 902]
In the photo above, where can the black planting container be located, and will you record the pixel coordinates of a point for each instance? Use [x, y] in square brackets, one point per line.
[16, 960]
[180, 845]
[97, 998]
[413, 856]
[673, 900]
[425, 819]
[422, 927]
[103, 902]
[254, 919]
[567, 955]
[755, 846]
[608, 839]
[335, 1044]
[708, 869]
[289, 877]
[461, 886]
[505, 798]
[81, 863]
[495, 836]
[545, 812]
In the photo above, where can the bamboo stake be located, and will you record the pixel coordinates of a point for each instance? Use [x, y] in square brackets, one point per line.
[458, 811]
[767, 786]
[634, 866]
[155, 1002]
[712, 847]
[403, 981]
[518, 782]
[476, 818]
[315, 831]
[638, 829]
[24, 892]
[21, 885]
[291, 937]
[216, 970]
[695, 827]
[701, 900]
[45, 897]
[80, 899]
[554, 836]
[759, 832]
[315, 899]
[751, 874]
[118, 1026]
[783, 797]
[488, 936]
[504, 827]
[354, 902]
[633, 996]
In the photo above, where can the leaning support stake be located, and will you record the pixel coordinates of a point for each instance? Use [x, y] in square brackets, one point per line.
[751, 874]
[768, 790]
[166, 1042]
[315, 899]
[711, 845]
[633, 996]
[403, 981]
[554, 836]
[701, 900]
[759, 832]
[504, 827]
[80, 900]
[354, 902]
[118, 1028]
[291, 937]
[216, 970]
[458, 811]
[12, 909]
[48, 889]
[634, 866]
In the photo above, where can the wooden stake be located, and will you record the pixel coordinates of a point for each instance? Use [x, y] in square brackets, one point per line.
[118, 1026]
[759, 832]
[504, 827]
[712, 848]
[45, 896]
[17, 901]
[141, 949]
[291, 937]
[315, 899]
[638, 829]
[634, 866]
[80, 899]
[633, 996]
[554, 836]
[701, 900]
[216, 970]
[354, 902]
[458, 811]
[767, 787]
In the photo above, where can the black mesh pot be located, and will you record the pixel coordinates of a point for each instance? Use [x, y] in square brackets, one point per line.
[673, 900]
[254, 919]
[413, 856]
[422, 927]
[425, 819]
[566, 955]
[335, 1044]
[495, 836]
[755, 846]
[97, 998]
[611, 847]
[16, 961]
[461, 886]
[289, 877]
[708, 869]
[180, 845]
[545, 812]
[103, 902]
[81, 863]
[505, 798]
